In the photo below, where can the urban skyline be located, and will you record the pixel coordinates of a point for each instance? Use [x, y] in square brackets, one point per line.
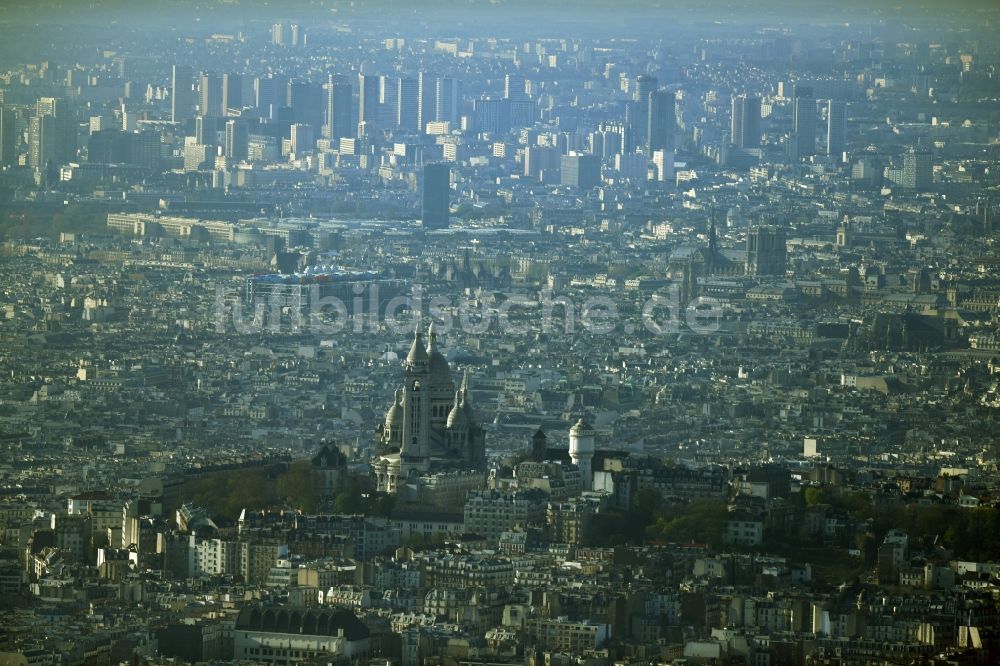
[499, 333]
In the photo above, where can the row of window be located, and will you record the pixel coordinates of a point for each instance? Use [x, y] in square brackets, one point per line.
[281, 652]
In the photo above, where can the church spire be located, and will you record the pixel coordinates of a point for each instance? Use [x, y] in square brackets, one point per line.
[431, 339]
[416, 360]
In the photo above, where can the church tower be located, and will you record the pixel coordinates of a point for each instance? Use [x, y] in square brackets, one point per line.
[430, 427]
[416, 402]
[581, 451]
[539, 445]
[440, 387]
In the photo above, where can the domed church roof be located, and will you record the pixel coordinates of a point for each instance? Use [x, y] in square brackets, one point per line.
[439, 369]
[417, 352]
[458, 416]
[394, 416]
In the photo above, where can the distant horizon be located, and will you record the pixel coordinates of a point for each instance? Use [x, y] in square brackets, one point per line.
[62, 10]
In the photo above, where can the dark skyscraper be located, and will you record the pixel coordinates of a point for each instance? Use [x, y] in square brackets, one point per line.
[236, 140]
[368, 95]
[446, 101]
[306, 100]
[51, 134]
[803, 139]
[388, 90]
[745, 122]
[513, 88]
[644, 85]
[42, 142]
[836, 128]
[8, 137]
[661, 121]
[436, 194]
[301, 138]
[407, 104]
[232, 92]
[492, 115]
[337, 124]
[271, 93]
[918, 169]
[580, 171]
[210, 96]
[204, 130]
[182, 98]
[426, 93]
[108, 146]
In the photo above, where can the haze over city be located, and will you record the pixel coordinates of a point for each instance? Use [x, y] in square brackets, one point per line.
[499, 333]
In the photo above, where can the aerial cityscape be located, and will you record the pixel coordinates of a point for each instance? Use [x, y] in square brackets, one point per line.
[499, 333]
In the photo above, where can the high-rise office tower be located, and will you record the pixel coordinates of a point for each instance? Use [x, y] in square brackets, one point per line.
[387, 90]
[765, 251]
[580, 171]
[42, 149]
[918, 169]
[236, 140]
[663, 160]
[542, 162]
[661, 121]
[197, 156]
[804, 122]
[296, 34]
[446, 101]
[407, 104]
[644, 85]
[98, 123]
[426, 92]
[338, 109]
[145, 148]
[628, 144]
[8, 138]
[270, 94]
[523, 113]
[436, 193]
[210, 96]
[182, 98]
[51, 134]
[301, 138]
[278, 34]
[204, 130]
[513, 88]
[836, 128]
[984, 213]
[232, 92]
[492, 115]
[745, 122]
[368, 95]
[123, 68]
[51, 106]
[307, 102]
[609, 136]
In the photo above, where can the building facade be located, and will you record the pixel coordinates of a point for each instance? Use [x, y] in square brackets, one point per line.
[431, 426]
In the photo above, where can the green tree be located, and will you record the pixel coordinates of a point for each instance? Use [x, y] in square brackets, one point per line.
[701, 522]
[383, 505]
[301, 486]
[814, 495]
[227, 493]
[611, 528]
[349, 499]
